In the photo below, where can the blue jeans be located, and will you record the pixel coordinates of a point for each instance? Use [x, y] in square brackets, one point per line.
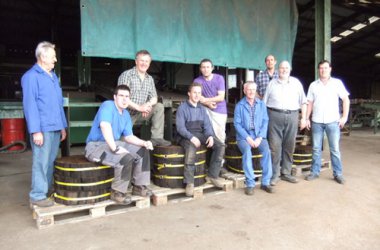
[333, 135]
[266, 162]
[43, 164]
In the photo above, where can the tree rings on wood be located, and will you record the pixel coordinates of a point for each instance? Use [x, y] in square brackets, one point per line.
[78, 181]
[169, 163]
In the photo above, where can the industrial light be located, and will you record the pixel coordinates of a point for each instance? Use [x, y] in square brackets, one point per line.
[358, 26]
[373, 19]
[335, 39]
[346, 33]
[377, 55]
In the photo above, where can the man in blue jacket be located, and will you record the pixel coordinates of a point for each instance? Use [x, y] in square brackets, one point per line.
[43, 108]
[194, 128]
[251, 125]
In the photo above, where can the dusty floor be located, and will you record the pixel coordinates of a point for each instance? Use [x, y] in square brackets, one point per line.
[308, 215]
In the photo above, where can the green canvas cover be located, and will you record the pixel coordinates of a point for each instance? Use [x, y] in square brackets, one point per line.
[232, 33]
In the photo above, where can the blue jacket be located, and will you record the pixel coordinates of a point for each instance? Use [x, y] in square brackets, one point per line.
[42, 101]
[190, 119]
[242, 119]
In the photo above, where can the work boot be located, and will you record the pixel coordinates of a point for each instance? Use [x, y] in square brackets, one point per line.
[223, 171]
[289, 178]
[274, 181]
[120, 198]
[311, 177]
[43, 203]
[267, 188]
[160, 142]
[190, 189]
[249, 190]
[339, 179]
[217, 182]
[143, 191]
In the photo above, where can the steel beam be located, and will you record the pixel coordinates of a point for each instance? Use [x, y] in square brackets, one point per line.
[322, 32]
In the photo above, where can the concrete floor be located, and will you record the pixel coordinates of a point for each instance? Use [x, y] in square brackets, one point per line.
[308, 215]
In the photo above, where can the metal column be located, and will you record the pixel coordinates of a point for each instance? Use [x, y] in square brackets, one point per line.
[322, 32]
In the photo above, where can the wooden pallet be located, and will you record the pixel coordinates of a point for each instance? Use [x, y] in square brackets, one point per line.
[162, 196]
[238, 180]
[297, 170]
[61, 214]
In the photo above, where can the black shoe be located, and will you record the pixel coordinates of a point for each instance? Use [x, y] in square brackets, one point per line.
[143, 191]
[267, 188]
[120, 198]
[311, 177]
[249, 190]
[289, 178]
[160, 142]
[339, 179]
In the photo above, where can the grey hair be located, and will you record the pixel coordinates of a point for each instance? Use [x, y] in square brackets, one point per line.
[42, 48]
[250, 82]
[290, 66]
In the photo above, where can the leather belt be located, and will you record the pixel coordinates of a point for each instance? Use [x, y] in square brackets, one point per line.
[285, 111]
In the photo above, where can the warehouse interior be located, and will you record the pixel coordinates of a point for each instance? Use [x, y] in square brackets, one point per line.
[318, 215]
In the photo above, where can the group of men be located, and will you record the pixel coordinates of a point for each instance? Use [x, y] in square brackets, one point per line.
[199, 120]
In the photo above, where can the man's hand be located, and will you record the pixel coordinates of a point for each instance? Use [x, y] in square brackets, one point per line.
[38, 138]
[195, 141]
[308, 124]
[251, 142]
[121, 150]
[63, 134]
[211, 105]
[303, 124]
[145, 108]
[210, 142]
[342, 121]
[148, 145]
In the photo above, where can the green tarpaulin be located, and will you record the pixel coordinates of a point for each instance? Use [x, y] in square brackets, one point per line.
[233, 33]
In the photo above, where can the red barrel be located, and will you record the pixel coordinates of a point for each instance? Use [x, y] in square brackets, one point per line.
[13, 130]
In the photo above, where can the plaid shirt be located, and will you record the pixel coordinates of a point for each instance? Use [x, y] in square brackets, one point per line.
[262, 81]
[252, 116]
[141, 91]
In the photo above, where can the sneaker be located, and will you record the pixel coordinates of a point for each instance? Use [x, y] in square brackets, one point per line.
[289, 178]
[43, 203]
[267, 188]
[339, 179]
[249, 190]
[311, 177]
[143, 191]
[190, 189]
[274, 181]
[160, 142]
[120, 198]
[217, 182]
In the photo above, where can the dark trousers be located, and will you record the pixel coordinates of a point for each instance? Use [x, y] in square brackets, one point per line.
[190, 157]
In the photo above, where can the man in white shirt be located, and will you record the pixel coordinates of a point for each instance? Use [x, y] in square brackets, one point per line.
[323, 101]
[284, 98]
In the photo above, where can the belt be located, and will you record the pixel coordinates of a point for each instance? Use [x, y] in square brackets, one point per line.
[285, 111]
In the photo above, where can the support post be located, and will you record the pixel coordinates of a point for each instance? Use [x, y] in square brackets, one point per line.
[322, 32]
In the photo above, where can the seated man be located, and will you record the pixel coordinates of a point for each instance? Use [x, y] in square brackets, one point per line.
[251, 125]
[194, 128]
[111, 142]
[143, 105]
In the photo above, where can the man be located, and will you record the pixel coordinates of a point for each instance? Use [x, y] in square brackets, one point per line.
[323, 101]
[194, 128]
[213, 93]
[284, 98]
[111, 142]
[44, 114]
[264, 77]
[251, 125]
[143, 104]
